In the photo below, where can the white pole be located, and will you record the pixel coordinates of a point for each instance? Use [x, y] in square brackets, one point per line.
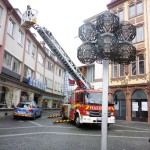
[104, 105]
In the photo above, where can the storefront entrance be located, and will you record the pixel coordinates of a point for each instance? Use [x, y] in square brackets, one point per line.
[139, 106]
[120, 105]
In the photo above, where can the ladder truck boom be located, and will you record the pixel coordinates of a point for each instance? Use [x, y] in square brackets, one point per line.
[29, 21]
[62, 55]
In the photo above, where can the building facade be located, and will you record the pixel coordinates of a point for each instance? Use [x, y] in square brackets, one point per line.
[130, 83]
[28, 70]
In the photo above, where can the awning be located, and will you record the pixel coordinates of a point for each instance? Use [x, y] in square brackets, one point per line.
[53, 98]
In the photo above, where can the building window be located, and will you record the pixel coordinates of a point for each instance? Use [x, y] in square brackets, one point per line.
[40, 77]
[90, 72]
[59, 72]
[1, 14]
[56, 86]
[11, 63]
[28, 72]
[20, 37]
[139, 8]
[40, 59]
[16, 65]
[28, 43]
[11, 25]
[33, 51]
[114, 70]
[121, 16]
[132, 11]
[49, 65]
[141, 64]
[49, 83]
[121, 70]
[139, 34]
[7, 60]
[133, 68]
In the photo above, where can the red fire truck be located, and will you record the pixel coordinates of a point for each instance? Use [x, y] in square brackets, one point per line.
[85, 106]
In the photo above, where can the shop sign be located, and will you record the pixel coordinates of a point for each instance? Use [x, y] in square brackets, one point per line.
[36, 84]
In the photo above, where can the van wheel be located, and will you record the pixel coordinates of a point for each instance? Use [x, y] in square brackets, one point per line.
[77, 121]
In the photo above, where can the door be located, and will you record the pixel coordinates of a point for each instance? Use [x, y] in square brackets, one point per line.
[139, 106]
[120, 105]
[139, 110]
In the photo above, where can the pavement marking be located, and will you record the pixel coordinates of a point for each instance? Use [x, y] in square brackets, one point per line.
[34, 127]
[132, 131]
[35, 123]
[132, 127]
[75, 134]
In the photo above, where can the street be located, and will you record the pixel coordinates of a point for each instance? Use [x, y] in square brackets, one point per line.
[43, 134]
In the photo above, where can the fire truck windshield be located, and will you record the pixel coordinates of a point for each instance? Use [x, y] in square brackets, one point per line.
[93, 98]
[96, 98]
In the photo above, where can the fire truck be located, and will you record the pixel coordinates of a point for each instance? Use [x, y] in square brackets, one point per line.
[85, 103]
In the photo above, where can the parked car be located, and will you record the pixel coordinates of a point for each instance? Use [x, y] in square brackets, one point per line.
[27, 109]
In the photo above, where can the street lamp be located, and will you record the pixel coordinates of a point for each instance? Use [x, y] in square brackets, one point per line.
[107, 41]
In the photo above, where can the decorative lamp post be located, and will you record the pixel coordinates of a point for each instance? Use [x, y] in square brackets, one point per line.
[107, 41]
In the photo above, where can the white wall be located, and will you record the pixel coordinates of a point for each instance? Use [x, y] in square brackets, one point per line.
[2, 23]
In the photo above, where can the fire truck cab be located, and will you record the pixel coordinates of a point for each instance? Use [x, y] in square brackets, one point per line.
[86, 107]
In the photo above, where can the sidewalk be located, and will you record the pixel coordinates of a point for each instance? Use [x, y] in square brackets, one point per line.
[135, 124]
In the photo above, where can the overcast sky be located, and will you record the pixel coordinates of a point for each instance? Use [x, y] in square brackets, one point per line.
[63, 18]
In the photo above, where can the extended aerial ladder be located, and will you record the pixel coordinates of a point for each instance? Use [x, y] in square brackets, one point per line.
[28, 21]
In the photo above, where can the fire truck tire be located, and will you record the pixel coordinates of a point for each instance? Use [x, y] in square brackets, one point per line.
[77, 121]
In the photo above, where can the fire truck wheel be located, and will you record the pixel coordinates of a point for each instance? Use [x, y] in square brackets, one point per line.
[77, 121]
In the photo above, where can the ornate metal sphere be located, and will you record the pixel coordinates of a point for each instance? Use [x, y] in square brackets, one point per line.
[107, 22]
[99, 60]
[86, 53]
[87, 32]
[126, 53]
[126, 32]
[107, 45]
